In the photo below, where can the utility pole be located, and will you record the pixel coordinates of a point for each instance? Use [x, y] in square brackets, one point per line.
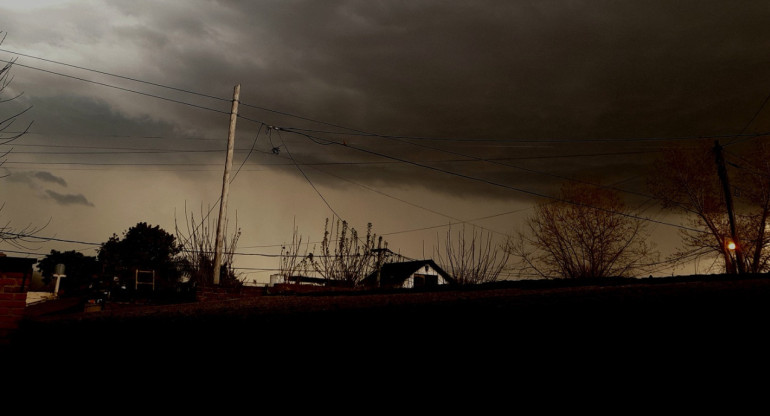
[226, 184]
[722, 171]
[379, 262]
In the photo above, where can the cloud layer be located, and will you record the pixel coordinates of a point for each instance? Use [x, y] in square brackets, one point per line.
[38, 181]
[480, 102]
[68, 199]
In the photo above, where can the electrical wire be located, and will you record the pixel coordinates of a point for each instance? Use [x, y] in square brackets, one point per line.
[354, 131]
[737, 139]
[119, 88]
[23, 235]
[459, 221]
[544, 140]
[283, 143]
[115, 75]
[497, 184]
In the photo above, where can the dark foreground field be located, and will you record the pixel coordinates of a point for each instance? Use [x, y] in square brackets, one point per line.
[616, 343]
[675, 315]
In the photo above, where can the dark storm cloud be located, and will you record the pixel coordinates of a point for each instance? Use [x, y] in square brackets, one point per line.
[79, 117]
[497, 69]
[34, 178]
[477, 70]
[22, 177]
[49, 177]
[38, 179]
[569, 70]
[68, 199]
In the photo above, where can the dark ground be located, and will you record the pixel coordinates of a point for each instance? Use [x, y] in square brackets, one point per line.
[620, 344]
[509, 317]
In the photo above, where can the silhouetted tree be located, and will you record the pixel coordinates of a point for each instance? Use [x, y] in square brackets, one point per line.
[344, 256]
[143, 247]
[294, 260]
[7, 121]
[14, 235]
[472, 258]
[196, 247]
[82, 271]
[686, 181]
[589, 232]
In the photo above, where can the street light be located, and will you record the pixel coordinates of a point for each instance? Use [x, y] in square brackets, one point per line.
[730, 255]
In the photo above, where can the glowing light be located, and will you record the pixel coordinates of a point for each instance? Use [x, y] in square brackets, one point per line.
[731, 245]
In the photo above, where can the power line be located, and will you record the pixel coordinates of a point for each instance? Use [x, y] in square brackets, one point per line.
[494, 183]
[21, 235]
[355, 131]
[142, 150]
[118, 88]
[522, 168]
[109, 136]
[174, 88]
[283, 143]
[110, 164]
[543, 140]
[127, 152]
[459, 221]
[745, 127]
[497, 184]
[253, 144]
[116, 75]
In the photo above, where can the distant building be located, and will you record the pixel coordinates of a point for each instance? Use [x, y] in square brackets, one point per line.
[410, 274]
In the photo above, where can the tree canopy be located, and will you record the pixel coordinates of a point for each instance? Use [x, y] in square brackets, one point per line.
[79, 269]
[143, 247]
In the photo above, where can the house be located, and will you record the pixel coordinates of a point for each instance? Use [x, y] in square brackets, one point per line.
[409, 274]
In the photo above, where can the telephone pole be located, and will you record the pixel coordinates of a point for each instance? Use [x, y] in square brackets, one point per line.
[722, 171]
[226, 184]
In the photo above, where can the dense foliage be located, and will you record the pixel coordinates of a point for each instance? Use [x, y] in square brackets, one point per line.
[143, 248]
[81, 271]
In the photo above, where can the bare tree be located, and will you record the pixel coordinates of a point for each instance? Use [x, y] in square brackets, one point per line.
[588, 232]
[7, 121]
[17, 237]
[472, 258]
[753, 184]
[294, 260]
[686, 180]
[198, 241]
[344, 256]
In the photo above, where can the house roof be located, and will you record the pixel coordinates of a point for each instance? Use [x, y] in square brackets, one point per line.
[396, 273]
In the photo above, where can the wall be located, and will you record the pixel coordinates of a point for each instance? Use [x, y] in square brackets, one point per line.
[13, 296]
[425, 270]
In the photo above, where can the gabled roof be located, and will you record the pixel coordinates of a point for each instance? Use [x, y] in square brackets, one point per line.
[395, 273]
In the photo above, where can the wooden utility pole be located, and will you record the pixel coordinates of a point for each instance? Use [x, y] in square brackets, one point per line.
[226, 184]
[722, 171]
[379, 251]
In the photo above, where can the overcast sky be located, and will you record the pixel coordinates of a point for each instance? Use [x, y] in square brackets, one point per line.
[399, 102]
